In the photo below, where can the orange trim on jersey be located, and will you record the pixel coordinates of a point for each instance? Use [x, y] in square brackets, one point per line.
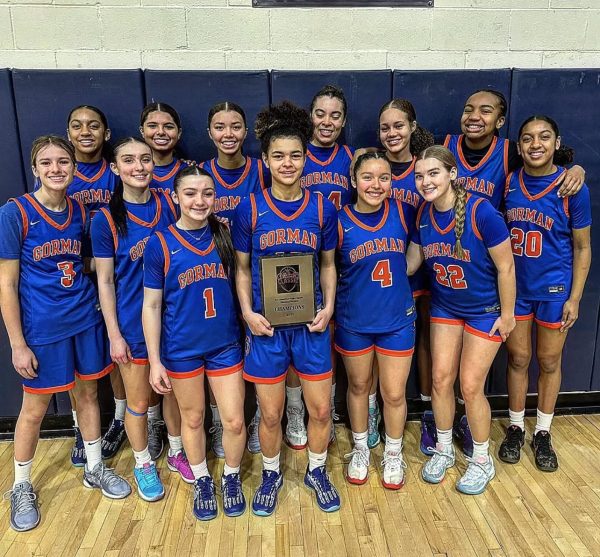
[507, 184]
[446, 321]
[265, 380]
[348, 151]
[527, 317]
[225, 370]
[271, 204]
[165, 250]
[93, 376]
[170, 204]
[419, 213]
[168, 176]
[189, 246]
[140, 361]
[261, 174]
[463, 160]
[23, 216]
[401, 213]
[253, 210]
[473, 221]
[435, 224]
[419, 293]
[328, 161]
[386, 210]
[315, 376]
[505, 156]
[396, 353]
[113, 228]
[566, 206]
[481, 334]
[547, 325]
[83, 212]
[410, 168]
[47, 217]
[447, 140]
[340, 234]
[156, 216]
[555, 182]
[320, 210]
[49, 390]
[352, 353]
[96, 176]
[235, 184]
[185, 374]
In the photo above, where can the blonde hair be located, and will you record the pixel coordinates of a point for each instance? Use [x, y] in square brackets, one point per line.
[47, 140]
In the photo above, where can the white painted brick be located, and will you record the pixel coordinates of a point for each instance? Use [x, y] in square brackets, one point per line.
[240, 2]
[290, 60]
[6, 35]
[574, 3]
[228, 29]
[592, 34]
[115, 60]
[183, 60]
[26, 2]
[469, 30]
[503, 59]
[27, 59]
[571, 60]
[96, 2]
[52, 28]
[143, 28]
[547, 30]
[491, 4]
[426, 60]
[184, 3]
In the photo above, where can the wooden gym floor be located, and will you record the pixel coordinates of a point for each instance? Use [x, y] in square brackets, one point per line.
[524, 512]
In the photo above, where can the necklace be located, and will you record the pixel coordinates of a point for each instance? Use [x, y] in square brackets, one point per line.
[204, 229]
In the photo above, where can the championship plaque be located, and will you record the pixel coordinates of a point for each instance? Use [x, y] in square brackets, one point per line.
[287, 285]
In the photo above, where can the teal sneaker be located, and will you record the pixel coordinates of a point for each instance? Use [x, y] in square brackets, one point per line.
[479, 473]
[373, 427]
[435, 468]
[149, 486]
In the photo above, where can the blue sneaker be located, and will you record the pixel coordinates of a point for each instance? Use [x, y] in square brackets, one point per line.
[265, 498]
[373, 438]
[205, 500]
[428, 433]
[234, 502]
[462, 432]
[149, 486]
[78, 457]
[113, 438]
[435, 468]
[328, 498]
[478, 475]
[24, 512]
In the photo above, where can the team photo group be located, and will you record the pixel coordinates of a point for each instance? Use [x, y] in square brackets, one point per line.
[128, 260]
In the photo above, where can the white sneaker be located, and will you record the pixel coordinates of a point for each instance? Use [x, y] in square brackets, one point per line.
[393, 469]
[295, 431]
[358, 466]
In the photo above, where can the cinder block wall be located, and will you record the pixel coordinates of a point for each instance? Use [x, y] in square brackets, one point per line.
[231, 34]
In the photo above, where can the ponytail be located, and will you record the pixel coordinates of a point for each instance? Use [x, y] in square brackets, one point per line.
[460, 204]
[223, 244]
[117, 209]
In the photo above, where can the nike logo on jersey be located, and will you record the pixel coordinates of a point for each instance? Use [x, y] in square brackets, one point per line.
[33, 223]
[514, 189]
[423, 225]
[348, 229]
[173, 252]
[263, 213]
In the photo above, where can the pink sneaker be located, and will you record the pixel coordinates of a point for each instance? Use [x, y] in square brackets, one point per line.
[179, 463]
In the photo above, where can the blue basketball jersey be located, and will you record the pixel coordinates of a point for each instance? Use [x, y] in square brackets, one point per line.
[373, 294]
[328, 172]
[229, 193]
[163, 178]
[57, 299]
[93, 185]
[404, 189]
[487, 178]
[199, 314]
[540, 225]
[469, 285]
[128, 253]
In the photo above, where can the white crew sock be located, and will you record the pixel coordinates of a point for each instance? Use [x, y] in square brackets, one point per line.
[360, 439]
[175, 444]
[200, 470]
[22, 471]
[120, 406]
[315, 460]
[154, 412]
[142, 457]
[271, 463]
[93, 453]
[517, 418]
[544, 421]
[294, 396]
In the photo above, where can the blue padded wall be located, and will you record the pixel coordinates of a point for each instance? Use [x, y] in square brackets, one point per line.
[193, 93]
[44, 99]
[365, 92]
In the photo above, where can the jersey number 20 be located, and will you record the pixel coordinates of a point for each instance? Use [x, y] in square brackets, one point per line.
[529, 243]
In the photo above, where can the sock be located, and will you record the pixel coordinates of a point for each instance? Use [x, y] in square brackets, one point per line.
[120, 405]
[373, 400]
[200, 470]
[271, 463]
[444, 437]
[392, 444]
[93, 453]
[230, 470]
[425, 398]
[544, 421]
[333, 395]
[75, 423]
[481, 450]
[142, 457]
[517, 418]
[22, 471]
[154, 412]
[215, 414]
[175, 444]
[360, 439]
[316, 460]
[294, 396]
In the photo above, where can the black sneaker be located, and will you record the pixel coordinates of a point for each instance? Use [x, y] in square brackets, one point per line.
[510, 449]
[545, 457]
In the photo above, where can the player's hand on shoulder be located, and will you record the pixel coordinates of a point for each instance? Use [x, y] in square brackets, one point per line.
[159, 380]
[572, 182]
[24, 361]
[321, 321]
[258, 324]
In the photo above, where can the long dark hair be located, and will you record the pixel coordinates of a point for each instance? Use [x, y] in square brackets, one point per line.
[564, 154]
[106, 152]
[421, 138]
[219, 230]
[226, 106]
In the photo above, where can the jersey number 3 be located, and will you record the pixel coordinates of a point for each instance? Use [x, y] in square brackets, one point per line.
[381, 273]
[451, 276]
[68, 273]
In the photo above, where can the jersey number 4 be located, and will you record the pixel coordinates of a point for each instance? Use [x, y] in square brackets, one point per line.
[336, 198]
[382, 274]
[528, 243]
[209, 303]
[68, 273]
[451, 276]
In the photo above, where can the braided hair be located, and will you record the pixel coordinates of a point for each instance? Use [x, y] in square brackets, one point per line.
[283, 120]
[421, 138]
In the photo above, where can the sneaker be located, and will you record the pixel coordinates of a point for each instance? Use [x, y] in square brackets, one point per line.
[545, 456]
[332, 433]
[478, 475]
[373, 427]
[78, 457]
[179, 463]
[510, 449]
[156, 438]
[393, 470]
[205, 500]
[435, 468]
[234, 502]
[149, 486]
[103, 478]
[428, 433]
[253, 439]
[327, 496]
[295, 431]
[24, 512]
[113, 438]
[462, 432]
[357, 471]
[216, 440]
[265, 498]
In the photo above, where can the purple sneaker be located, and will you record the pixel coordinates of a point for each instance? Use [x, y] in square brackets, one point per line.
[462, 432]
[179, 463]
[428, 433]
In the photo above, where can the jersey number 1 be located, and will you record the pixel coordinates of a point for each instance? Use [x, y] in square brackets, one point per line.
[381, 273]
[209, 303]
